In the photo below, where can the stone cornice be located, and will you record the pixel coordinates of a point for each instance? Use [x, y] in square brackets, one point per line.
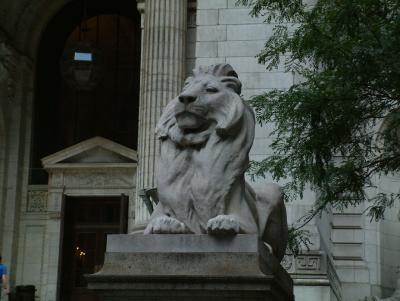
[66, 156]
[192, 4]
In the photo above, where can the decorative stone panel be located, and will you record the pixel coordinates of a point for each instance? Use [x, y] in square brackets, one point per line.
[313, 266]
[37, 201]
[288, 263]
[308, 263]
[98, 178]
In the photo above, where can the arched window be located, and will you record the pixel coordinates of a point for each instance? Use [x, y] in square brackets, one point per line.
[106, 33]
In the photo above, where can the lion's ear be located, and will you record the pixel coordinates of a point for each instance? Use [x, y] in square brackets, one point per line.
[232, 83]
[230, 115]
[167, 119]
[231, 110]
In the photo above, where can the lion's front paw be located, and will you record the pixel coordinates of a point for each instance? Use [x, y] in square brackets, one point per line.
[223, 225]
[166, 225]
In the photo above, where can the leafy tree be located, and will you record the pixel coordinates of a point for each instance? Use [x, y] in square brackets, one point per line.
[339, 128]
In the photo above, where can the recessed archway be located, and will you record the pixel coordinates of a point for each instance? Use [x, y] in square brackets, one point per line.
[64, 115]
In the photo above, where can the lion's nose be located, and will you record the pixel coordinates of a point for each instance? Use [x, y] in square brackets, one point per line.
[186, 99]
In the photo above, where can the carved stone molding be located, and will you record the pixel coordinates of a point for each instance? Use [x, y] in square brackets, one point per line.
[192, 4]
[55, 215]
[37, 201]
[309, 263]
[313, 266]
[99, 178]
[305, 264]
[287, 263]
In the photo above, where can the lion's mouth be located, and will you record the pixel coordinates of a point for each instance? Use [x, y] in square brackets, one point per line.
[191, 122]
[194, 109]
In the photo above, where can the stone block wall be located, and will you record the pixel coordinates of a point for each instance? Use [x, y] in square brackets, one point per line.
[227, 33]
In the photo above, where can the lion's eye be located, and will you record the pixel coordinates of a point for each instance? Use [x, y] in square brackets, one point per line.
[185, 85]
[188, 81]
[212, 89]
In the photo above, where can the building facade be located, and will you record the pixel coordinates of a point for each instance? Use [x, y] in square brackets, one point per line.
[82, 84]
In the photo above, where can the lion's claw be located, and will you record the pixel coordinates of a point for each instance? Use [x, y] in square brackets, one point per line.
[166, 225]
[223, 225]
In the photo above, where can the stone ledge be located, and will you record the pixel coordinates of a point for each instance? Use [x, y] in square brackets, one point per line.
[171, 243]
[190, 267]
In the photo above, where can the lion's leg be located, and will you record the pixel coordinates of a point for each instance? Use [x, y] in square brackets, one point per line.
[223, 225]
[166, 225]
[161, 223]
[231, 224]
[238, 216]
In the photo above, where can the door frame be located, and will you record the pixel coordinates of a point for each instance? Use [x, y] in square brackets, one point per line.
[73, 173]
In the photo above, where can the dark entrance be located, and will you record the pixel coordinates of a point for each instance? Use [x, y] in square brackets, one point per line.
[87, 222]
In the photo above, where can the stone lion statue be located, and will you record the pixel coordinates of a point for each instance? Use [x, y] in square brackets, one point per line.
[206, 134]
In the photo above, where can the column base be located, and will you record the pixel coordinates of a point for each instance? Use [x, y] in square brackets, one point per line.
[190, 267]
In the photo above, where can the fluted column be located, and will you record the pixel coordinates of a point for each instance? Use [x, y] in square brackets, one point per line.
[162, 75]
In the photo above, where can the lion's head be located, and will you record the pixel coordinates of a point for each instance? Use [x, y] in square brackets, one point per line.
[209, 102]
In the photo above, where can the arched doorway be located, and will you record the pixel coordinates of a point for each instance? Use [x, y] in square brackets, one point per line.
[66, 114]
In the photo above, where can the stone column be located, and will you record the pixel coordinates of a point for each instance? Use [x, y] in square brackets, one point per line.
[15, 98]
[162, 75]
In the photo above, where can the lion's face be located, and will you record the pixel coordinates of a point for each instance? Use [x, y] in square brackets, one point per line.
[198, 102]
[207, 103]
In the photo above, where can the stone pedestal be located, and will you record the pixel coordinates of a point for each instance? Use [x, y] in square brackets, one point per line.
[190, 267]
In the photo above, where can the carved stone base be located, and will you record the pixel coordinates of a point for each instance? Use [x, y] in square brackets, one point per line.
[190, 267]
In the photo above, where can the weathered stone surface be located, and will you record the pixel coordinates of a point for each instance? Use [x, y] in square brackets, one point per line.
[206, 133]
[190, 267]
